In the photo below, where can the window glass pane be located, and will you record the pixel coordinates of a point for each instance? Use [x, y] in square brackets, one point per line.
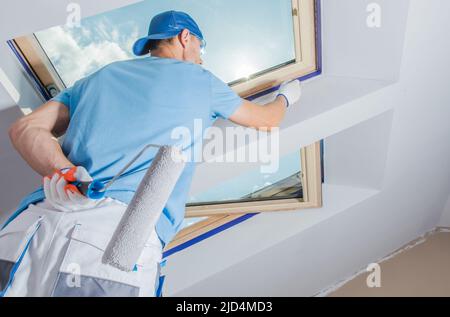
[255, 186]
[243, 37]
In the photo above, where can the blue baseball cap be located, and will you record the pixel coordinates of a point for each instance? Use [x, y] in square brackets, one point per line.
[167, 25]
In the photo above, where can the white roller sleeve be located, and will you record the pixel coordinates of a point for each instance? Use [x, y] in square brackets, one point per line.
[144, 209]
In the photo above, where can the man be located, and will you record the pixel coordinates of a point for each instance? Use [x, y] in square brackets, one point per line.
[107, 117]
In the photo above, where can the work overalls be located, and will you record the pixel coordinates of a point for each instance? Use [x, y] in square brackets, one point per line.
[46, 252]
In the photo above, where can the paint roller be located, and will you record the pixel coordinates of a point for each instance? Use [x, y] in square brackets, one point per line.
[144, 210]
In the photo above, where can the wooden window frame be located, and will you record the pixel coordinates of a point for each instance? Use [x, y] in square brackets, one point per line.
[221, 214]
[31, 51]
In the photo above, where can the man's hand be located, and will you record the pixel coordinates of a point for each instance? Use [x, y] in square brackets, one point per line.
[63, 195]
[291, 90]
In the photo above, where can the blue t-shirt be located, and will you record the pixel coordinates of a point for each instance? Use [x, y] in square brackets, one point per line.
[126, 105]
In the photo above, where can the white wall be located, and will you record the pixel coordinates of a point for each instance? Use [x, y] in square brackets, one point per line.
[16, 178]
[378, 52]
[445, 217]
[351, 162]
[410, 173]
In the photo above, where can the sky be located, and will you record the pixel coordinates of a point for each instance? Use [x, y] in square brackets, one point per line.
[243, 37]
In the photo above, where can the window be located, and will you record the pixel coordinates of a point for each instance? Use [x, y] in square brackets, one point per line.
[252, 45]
[297, 185]
[253, 191]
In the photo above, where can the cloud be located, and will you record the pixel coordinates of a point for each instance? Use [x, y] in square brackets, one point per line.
[75, 53]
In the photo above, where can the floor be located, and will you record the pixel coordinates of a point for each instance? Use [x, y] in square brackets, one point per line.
[420, 270]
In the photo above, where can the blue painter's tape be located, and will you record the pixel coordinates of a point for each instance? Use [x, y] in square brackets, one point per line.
[322, 158]
[318, 10]
[160, 286]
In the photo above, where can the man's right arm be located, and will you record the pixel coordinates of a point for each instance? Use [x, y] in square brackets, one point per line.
[34, 137]
[271, 115]
[260, 117]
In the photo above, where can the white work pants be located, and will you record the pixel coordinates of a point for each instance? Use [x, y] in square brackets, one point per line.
[46, 252]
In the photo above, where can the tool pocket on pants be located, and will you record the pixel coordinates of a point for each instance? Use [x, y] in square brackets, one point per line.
[15, 239]
[82, 272]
